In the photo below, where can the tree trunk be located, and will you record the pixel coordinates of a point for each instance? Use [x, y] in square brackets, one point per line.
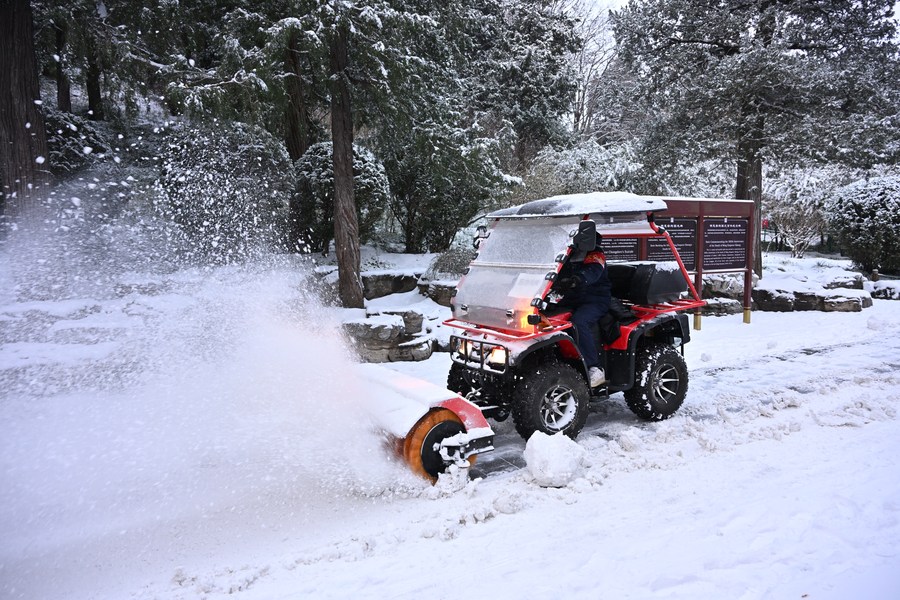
[346, 226]
[298, 134]
[23, 141]
[63, 85]
[92, 83]
[748, 185]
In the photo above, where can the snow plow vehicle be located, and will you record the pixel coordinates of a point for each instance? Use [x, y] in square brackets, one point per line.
[514, 351]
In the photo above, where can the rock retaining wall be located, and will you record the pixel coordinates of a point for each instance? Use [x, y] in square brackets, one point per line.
[835, 300]
[390, 336]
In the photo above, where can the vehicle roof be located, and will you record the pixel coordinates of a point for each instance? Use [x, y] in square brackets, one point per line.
[583, 204]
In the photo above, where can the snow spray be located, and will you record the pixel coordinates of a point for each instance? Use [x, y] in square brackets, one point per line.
[179, 395]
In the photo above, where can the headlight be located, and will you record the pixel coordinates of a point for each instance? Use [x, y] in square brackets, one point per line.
[498, 356]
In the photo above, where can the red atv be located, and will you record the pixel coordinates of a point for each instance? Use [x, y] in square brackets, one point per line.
[515, 352]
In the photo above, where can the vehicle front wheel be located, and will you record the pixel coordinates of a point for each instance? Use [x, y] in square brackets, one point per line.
[660, 383]
[552, 399]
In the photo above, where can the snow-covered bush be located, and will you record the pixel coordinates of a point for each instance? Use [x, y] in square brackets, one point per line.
[315, 192]
[793, 200]
[865, 215]
[451, 263]
[710, 178]
[587, 167]
[227, 186]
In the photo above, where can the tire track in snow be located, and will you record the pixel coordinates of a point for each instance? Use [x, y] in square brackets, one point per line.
[728, 405]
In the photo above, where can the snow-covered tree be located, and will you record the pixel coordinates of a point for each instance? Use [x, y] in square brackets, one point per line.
[519, 72]
[441, 175]
[585, 167]
[105, 47]
[865, 215]
[593, 58]
[315, 179]
[794, 200]
[753, 79]
[72, 141]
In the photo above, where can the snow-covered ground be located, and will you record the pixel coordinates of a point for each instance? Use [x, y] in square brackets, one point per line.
[201, 434]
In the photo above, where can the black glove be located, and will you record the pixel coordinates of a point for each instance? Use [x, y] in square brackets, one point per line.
[567, 283]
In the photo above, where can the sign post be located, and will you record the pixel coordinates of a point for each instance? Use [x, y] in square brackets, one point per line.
[718, 235]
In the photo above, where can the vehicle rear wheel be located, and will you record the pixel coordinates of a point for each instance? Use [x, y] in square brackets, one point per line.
[660, 383]
[552, 399]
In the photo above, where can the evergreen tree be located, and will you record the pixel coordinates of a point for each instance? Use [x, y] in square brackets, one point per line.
[361, 63]
[751, 79]
[315, 175]
[100, 45]
[520, 74]
[441, 176]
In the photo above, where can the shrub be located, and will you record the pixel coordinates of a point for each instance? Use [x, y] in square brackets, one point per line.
[73, 142]
[865, 217]
[451, 263]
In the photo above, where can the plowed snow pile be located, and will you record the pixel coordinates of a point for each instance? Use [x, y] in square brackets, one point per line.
[181, 406]
[553, 460]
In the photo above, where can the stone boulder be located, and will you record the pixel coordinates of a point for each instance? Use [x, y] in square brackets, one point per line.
[725, 285]
[886, 290]
[439, 290]
[773, 300]
[846, 280]
[412, 320]
[809, 301]
[846, 302]
[716, 307]
[416, 349]
[378, 284]
[832, 300]
[390, 337]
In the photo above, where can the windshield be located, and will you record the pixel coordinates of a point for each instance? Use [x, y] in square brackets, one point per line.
[510, 271]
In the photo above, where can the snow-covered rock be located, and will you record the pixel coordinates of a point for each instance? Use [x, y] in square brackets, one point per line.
[389, 337]
[439, 290]
[887, 290]
[378, 284]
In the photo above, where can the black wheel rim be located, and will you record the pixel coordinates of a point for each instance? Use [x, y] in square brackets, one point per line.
[666, 383]
[558, 408]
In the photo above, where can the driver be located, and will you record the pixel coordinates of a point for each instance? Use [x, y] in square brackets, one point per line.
[587, 293]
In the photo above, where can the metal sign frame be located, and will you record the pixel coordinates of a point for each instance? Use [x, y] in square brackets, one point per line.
[737, 237]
